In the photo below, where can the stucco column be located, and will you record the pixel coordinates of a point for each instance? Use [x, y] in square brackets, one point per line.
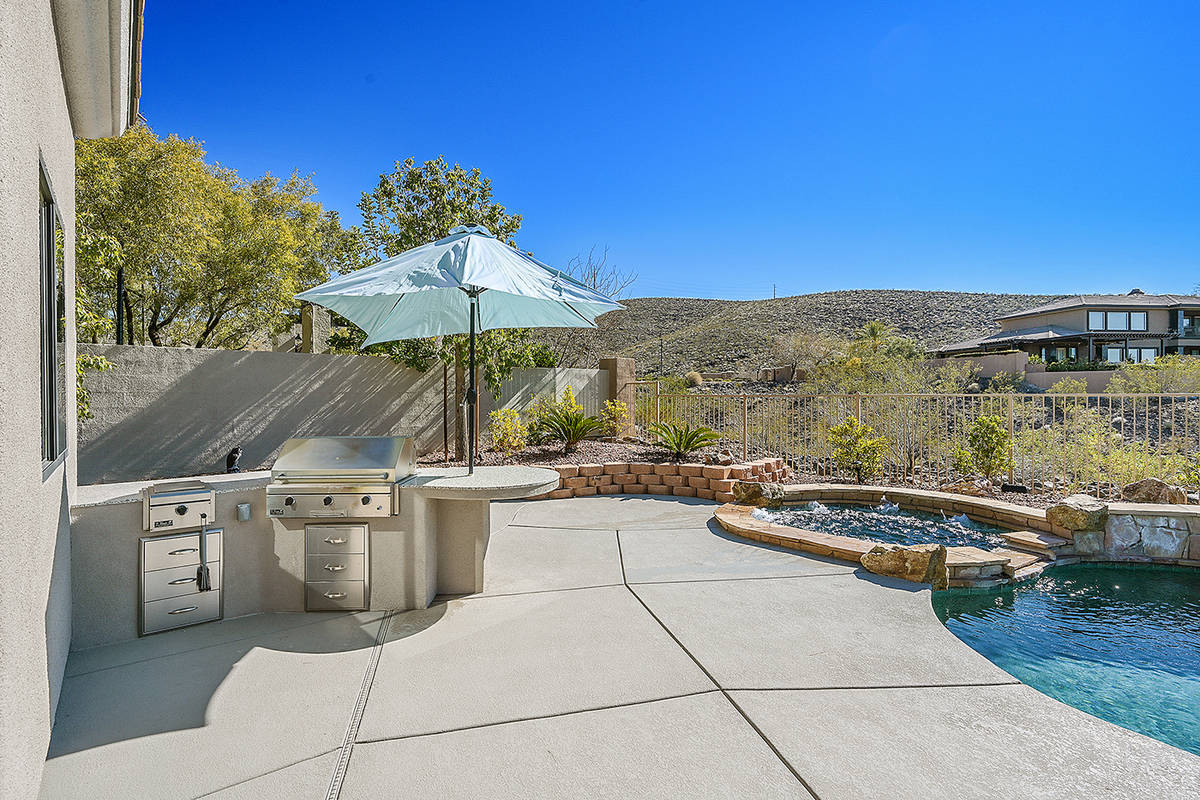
[621, 375]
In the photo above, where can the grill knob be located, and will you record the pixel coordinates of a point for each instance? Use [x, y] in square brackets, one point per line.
[181, 510]
[289, 501]
[366, 500]
[328, 500]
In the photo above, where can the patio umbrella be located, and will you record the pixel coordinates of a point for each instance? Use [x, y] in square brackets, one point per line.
[467, 282]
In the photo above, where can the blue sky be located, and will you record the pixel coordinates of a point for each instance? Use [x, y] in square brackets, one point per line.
[718, 149]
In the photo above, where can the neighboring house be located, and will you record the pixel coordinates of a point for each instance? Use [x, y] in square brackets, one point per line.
[1096, 327]
[68, 69]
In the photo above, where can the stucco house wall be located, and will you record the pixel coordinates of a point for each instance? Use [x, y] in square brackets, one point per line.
[35, 606]
[67, 68]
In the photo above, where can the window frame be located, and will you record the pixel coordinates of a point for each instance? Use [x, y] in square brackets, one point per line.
[50, 309]
[1120, 358]
[1103, 320]
[1145, 317]
[1109, 316]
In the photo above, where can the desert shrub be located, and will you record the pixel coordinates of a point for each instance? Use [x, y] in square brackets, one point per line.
[569, 426]
[509, 434]
[987, 451]
[1004, 383]
[857, 448]
[1069, 386]
[614, 417]
[955, 377]
[680, 440]
[671, 384]
[1171, 373]
[693, 378]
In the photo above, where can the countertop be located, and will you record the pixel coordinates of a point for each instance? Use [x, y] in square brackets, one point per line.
[488, 483]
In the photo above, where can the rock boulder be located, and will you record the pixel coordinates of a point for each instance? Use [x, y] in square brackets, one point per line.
[920, 563]
[1153, 490]
[1079, 512]
[767, 495]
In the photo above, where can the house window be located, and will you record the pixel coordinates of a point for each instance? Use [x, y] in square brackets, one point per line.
[1114, 355]
[1137, 320]
[1118, 320]
[1146, 355]
[53, 329]
[1095, 320]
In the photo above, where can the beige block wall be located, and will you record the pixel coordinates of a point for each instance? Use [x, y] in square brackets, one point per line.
[35, 626]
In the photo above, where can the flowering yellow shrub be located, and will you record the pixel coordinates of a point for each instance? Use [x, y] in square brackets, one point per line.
[508, 432]
[568, 403]
[615, 417]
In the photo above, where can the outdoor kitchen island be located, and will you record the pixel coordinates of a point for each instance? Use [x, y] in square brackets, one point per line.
[431, 541]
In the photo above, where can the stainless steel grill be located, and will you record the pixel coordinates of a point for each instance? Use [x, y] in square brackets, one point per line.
[340, 476]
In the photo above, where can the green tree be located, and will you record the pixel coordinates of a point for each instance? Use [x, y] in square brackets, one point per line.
[857, 448]
[1169, 373]
[209, 259]
[417, 204]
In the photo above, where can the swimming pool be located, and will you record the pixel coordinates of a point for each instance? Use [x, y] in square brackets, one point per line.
[885, 523]
[1121, 642]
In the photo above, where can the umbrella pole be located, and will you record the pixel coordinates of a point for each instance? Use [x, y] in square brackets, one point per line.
[471, 394]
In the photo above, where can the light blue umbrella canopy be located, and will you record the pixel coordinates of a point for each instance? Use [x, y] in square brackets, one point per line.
[432, 290]
[425, 291]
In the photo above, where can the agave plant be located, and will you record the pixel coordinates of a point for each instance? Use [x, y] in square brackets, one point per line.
[569, 426]
[681, 440]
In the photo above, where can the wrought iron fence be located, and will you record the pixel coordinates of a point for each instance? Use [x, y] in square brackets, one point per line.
[1056, 442]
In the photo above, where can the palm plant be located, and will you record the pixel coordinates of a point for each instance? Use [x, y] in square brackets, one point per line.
[680, 440]
[569, 426]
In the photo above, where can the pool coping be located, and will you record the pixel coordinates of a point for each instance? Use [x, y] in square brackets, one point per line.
[969, 569]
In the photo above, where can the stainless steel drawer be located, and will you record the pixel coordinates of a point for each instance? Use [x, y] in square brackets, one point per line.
[335, 567]
[176, 612]
[180, 550]
[163, 583]
[335, 595]
[335, 538]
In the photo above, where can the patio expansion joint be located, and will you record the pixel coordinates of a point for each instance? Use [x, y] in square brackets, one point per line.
[728, 698]
[360, 705]
[555, 715]
[744, 578]
[263, 775]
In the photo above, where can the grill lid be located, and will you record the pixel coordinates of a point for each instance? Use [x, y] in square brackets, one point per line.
[345, 458]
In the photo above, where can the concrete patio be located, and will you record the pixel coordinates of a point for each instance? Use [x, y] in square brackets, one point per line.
[623, 646]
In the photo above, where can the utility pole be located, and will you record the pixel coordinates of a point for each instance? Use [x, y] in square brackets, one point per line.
[660, 355]
[773, 295]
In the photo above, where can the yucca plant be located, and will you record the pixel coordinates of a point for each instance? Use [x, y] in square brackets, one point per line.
[683, 439]
[569, 427]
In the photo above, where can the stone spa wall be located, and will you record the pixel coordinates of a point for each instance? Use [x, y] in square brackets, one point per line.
[1137, 532]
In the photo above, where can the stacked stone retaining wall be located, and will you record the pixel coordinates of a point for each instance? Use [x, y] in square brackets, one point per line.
[706, 481]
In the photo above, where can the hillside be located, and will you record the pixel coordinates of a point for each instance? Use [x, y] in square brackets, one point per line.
[720, 335]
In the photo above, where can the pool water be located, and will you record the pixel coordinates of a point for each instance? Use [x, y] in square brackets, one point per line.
[1121, 642]
[886, 523]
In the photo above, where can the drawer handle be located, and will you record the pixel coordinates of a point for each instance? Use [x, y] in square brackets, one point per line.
[332, 540]
[335, 567]
[178, 581]
[184, 550]
[330, 595]
[183, 610]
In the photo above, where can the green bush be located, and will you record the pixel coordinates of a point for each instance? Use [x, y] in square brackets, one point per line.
[1004, 383]
[857, 448]
[680, 440]
[987, 451]
[1171, 373]
[1069, 386]
[1079, 365]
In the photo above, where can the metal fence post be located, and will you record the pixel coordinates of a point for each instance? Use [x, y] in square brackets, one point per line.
[1012, 466]
[657, 395]
[745, 427]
